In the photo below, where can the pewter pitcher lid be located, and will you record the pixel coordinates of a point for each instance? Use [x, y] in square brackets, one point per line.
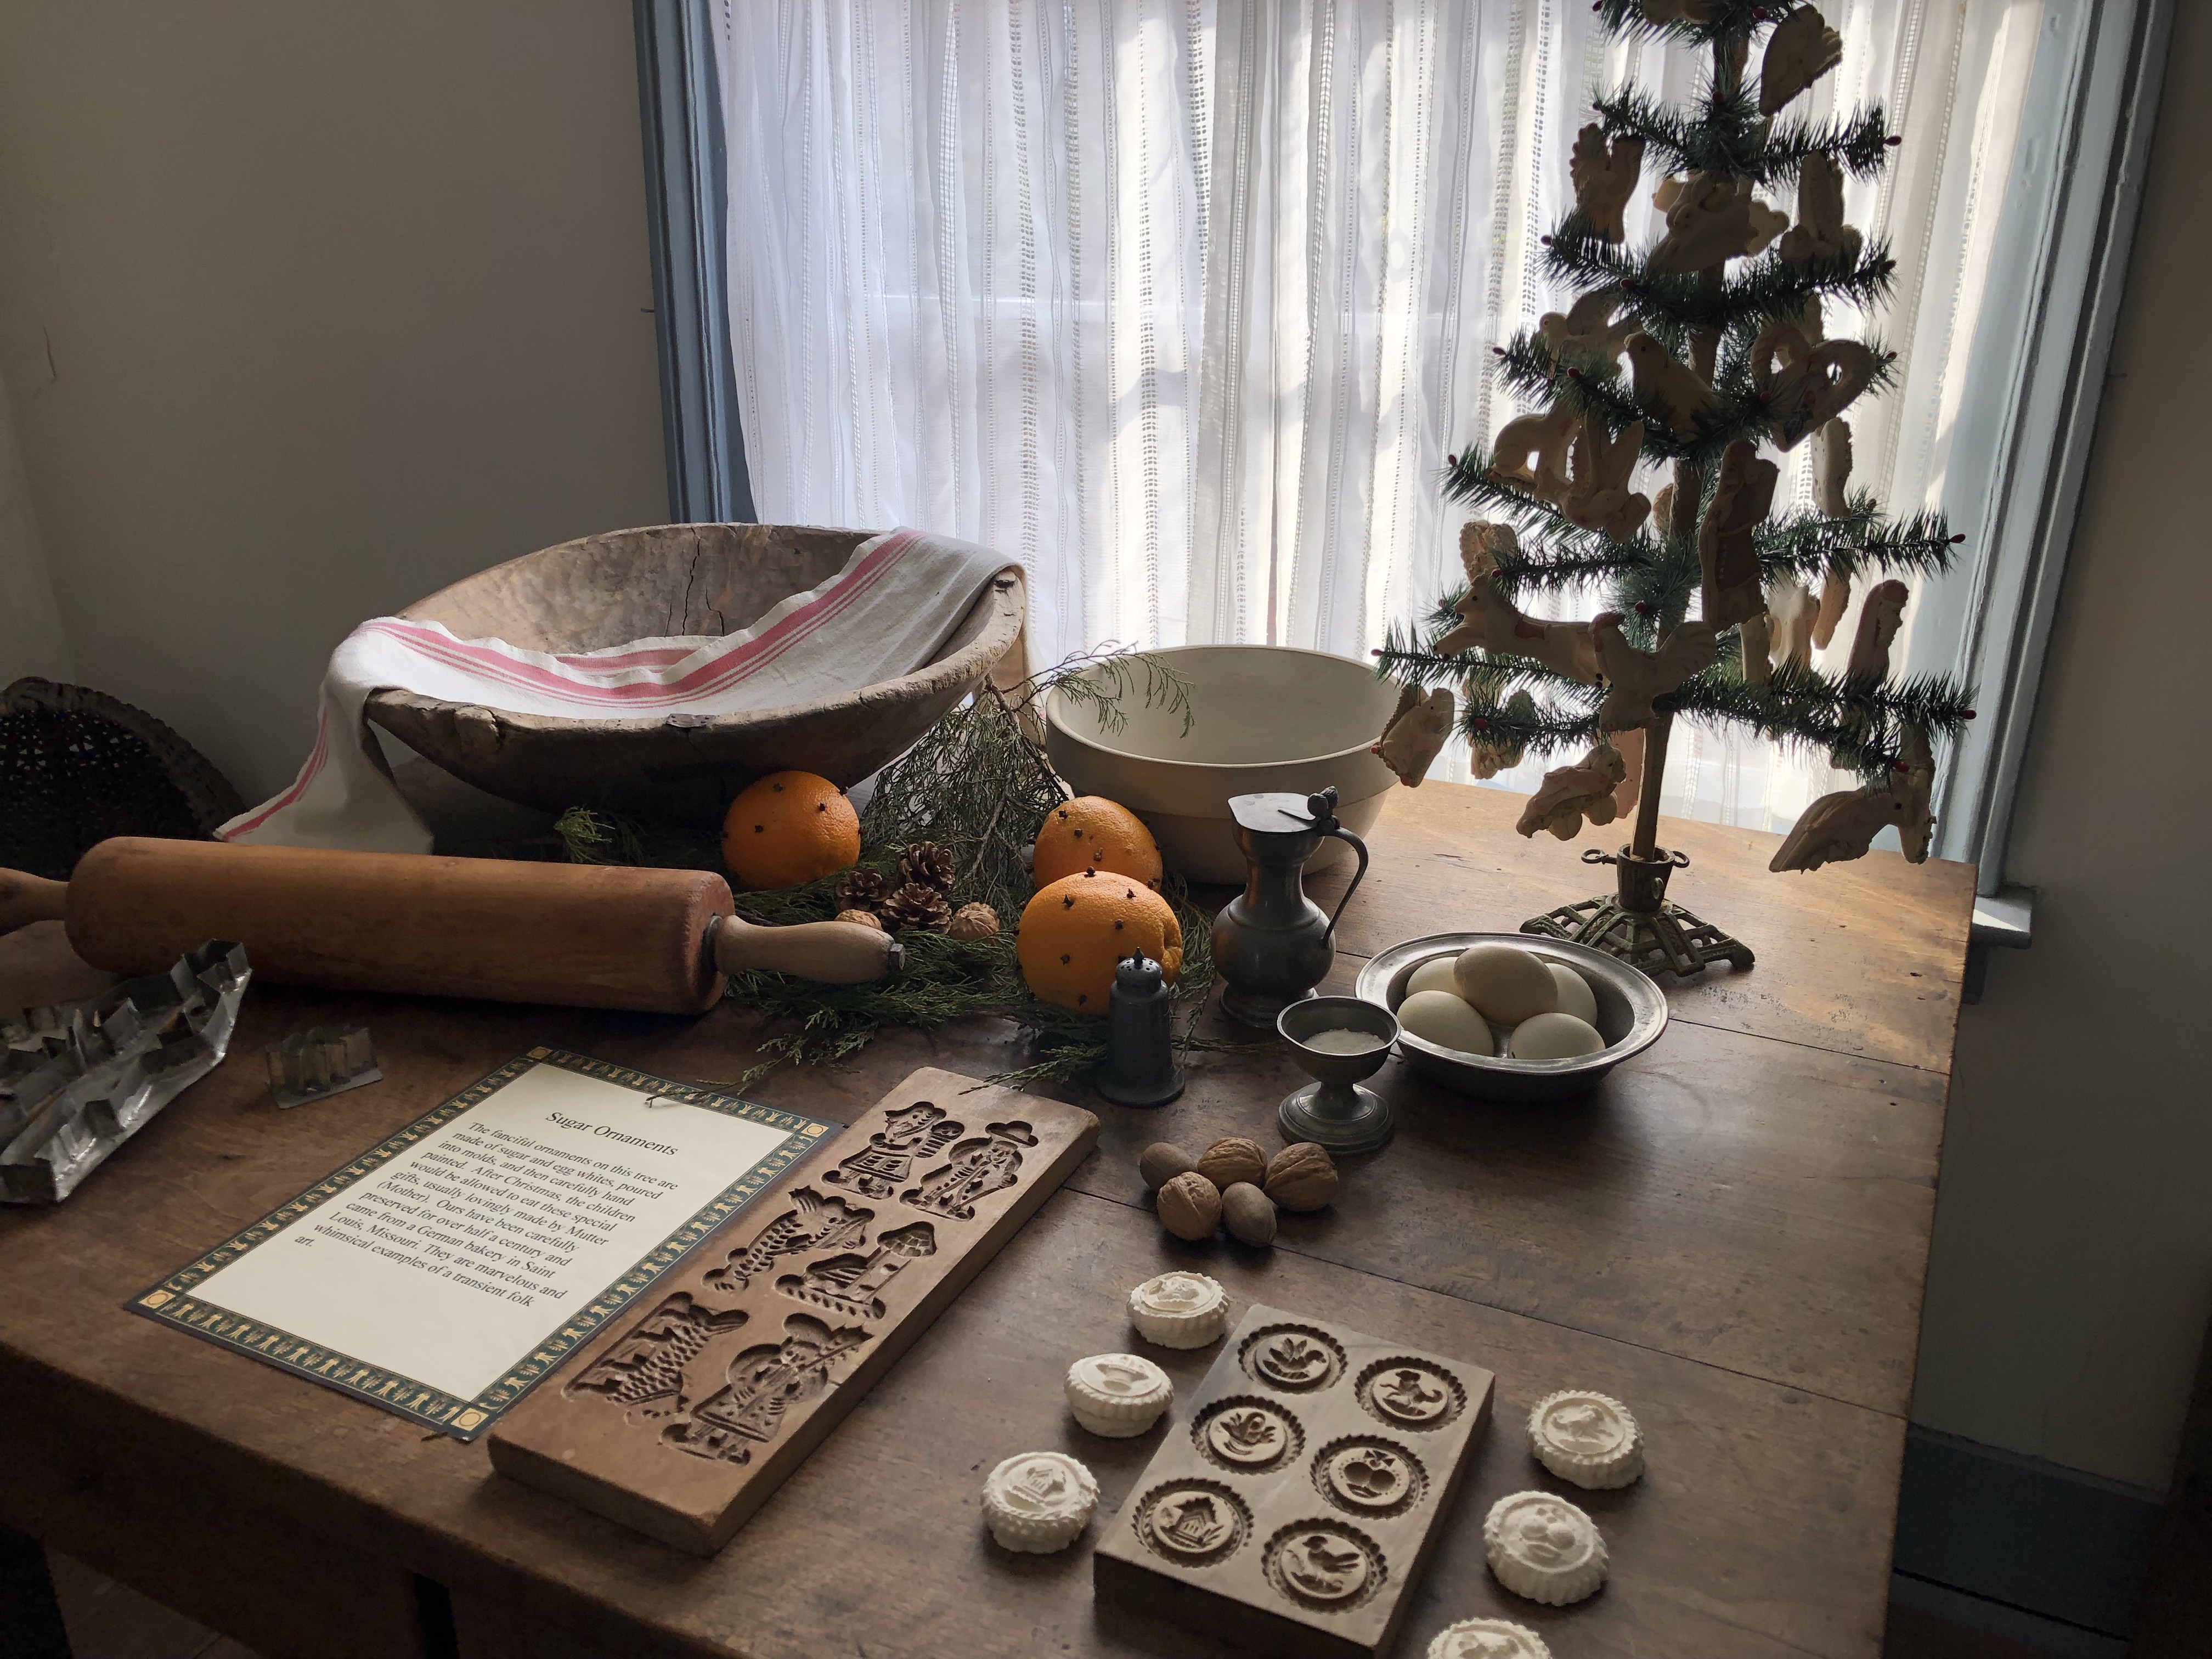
[1283, 814]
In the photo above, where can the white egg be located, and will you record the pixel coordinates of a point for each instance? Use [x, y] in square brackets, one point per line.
[1575, 996]
[1553, 1036]
[1434, 975]
[1440, 1018]
[1509, 985]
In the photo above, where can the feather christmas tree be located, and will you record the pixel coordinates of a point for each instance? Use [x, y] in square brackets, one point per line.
[1696, 353]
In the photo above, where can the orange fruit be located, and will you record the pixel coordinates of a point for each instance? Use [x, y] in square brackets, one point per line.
[788, 829]
[1075, 930]
[1093, 833]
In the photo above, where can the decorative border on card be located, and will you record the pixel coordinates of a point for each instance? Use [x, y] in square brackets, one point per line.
[171, 1302]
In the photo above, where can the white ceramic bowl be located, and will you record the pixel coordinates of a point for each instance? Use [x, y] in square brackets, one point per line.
[1265, 719]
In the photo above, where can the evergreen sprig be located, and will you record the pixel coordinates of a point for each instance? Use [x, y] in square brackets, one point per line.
[1721, 132]
[1666, 305]
[1725, 21]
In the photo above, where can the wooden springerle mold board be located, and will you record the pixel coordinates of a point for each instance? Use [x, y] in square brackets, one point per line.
[1294, 1507]
[683, 1422]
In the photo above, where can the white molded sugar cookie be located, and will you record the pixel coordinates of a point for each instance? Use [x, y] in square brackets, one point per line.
[1179, 1310]
[1487, 1639]
[1590, 1440]
[1038, 1501]
[1543, 1547]
[1117, 1395]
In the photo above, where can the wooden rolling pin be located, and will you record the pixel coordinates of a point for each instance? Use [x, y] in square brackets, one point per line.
[592, 936]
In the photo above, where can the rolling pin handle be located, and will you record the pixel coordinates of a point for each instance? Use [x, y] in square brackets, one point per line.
[829, 952]
[27, 898]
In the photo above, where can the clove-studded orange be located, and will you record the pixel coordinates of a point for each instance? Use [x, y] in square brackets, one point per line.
[788, 829]
[1093, 833]
[1076, 929]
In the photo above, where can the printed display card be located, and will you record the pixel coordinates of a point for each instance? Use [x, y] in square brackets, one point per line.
[443, 1273]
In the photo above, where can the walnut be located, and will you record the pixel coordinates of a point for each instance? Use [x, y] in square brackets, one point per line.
[1190, 1206]
[862, 917]
[1161, 1162]
[1302, 1177]
[1227, 1161]
[973, 921]
[1249, 1212]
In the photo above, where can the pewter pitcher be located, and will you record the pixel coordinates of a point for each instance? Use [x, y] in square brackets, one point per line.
[1273, 944]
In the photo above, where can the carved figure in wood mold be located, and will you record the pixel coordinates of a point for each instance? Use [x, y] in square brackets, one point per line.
[815, 1223]
[852, 1284]
[765, 1383]
[645, 1371]
[921, 1130]
[978, 1168]
[1604, 178]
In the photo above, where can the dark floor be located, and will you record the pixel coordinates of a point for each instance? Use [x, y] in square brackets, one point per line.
[107, 1621]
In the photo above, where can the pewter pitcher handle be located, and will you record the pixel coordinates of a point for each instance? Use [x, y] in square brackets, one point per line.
[1359, 846]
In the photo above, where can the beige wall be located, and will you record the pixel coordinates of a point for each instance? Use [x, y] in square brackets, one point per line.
[2073, 1266]
[308, 307]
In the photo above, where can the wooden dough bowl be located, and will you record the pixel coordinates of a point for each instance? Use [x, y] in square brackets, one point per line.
[673, 579]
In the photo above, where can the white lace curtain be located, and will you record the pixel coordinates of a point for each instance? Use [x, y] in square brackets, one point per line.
[1183, 302]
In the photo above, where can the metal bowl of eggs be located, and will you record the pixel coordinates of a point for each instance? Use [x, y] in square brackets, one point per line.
[1624, 1007]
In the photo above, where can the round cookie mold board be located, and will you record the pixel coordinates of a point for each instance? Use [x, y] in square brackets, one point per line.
[1292, 1508]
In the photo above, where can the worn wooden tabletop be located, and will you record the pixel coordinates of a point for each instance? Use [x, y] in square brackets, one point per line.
[1730, 1236]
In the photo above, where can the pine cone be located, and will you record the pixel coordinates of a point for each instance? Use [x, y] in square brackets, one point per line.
[861, 889]
[916, 906]
[929, 864]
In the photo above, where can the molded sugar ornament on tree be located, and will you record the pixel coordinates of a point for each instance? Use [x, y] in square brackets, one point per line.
[1416, 734]
[1732, 323]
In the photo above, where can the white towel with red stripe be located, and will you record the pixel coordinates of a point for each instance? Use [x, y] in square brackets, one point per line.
[886, 614]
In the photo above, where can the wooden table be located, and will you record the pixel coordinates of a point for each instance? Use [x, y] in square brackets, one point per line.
[1731, 1236]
